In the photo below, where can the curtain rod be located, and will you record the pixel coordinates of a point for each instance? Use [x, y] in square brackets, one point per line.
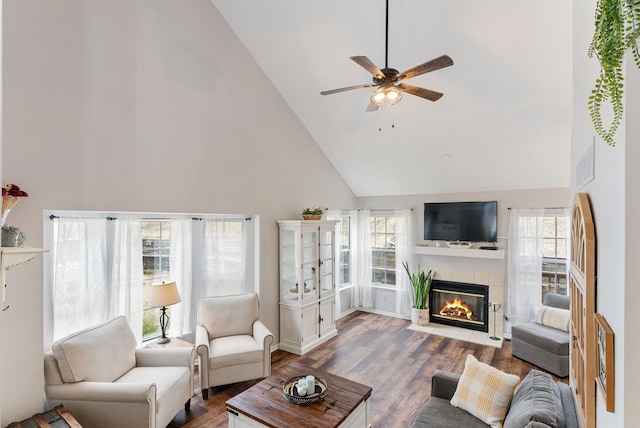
[55, 217]
[382, 209]
[542, 208]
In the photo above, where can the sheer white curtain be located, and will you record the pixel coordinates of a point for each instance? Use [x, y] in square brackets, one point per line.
[336, 215]
[404, 252]
[80, 294]
[224, 257]
[127, 294]
[524, 266]
[362, 294]
[180, 267]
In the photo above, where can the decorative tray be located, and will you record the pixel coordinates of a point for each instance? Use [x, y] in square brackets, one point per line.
[459, 244]
[290, 391]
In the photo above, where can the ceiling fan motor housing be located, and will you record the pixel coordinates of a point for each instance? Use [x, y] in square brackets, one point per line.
[390, 74]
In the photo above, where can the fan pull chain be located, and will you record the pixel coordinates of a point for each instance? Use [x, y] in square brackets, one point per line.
[393, 118]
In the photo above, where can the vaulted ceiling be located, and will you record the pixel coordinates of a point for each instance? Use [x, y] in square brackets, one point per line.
[503, 123]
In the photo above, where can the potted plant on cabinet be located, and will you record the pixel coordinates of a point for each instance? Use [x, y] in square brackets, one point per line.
[421, 284]
[314, 213]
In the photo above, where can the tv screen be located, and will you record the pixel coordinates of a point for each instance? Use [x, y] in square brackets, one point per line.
[461, 221]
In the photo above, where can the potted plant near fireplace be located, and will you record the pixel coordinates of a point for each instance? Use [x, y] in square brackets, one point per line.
[421, 284]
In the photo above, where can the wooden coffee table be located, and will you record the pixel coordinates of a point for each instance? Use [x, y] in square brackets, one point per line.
[263, 405]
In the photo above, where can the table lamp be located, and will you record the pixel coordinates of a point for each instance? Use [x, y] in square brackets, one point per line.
[163, 295]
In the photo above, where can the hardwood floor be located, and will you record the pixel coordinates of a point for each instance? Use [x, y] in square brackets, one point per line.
[375, 350]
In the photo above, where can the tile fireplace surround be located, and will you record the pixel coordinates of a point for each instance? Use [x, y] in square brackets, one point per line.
[496, 283]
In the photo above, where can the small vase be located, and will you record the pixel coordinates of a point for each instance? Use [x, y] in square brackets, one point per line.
[420, 316]
[8, 202]
[5, 214]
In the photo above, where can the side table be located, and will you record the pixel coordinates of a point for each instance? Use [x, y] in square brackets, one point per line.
[58, 417]
[176, 342]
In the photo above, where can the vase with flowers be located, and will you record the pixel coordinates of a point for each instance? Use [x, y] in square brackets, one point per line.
[11, 194]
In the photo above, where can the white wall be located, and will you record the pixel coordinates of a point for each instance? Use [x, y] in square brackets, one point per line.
[149, 106]
[614, 202]
[631, 238]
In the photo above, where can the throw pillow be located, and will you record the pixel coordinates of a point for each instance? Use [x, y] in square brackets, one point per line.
[536, 402]
[484, 391]
[554, 317]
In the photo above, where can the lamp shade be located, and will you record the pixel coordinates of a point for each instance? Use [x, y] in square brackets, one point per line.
[164, 295]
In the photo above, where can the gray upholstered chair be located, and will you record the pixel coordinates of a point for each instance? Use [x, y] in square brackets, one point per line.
[104, 381]
[232, 343]
[542, 345]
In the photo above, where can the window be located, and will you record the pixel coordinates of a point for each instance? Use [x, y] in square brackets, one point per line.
[383, 252]
[224, 257]
[156, 257]
[103, 265]
[554, 254]
[550, 231]
[345, 251]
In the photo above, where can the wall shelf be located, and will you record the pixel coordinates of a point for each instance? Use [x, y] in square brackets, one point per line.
[459, 252]
[12, 256]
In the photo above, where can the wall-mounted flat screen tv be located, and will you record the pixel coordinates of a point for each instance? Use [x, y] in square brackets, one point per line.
[461, 221]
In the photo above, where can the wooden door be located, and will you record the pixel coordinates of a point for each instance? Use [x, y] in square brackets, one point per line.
[583, 299]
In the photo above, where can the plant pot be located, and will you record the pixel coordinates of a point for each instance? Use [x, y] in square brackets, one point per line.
[14, 238]
[420, 316]
[312, 216]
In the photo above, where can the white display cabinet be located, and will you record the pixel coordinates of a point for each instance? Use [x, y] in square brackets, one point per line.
[307, 284]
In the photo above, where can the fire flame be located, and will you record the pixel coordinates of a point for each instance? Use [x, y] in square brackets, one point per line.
[457, 309]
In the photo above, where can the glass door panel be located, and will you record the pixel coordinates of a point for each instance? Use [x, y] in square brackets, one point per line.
[310, 262]
[289, 264]
[326, 260]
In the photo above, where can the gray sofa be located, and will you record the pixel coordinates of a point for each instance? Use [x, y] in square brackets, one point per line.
[543, 346]
[538, 402]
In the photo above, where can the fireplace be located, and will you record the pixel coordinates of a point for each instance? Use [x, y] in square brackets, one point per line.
[459, 304]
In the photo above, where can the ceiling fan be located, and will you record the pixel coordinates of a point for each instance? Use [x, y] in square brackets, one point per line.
[388, 80]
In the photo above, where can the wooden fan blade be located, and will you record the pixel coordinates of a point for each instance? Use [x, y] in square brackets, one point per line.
[420, 92]
[366, 63]
[371, 107]
[435, 64]
[348, 88]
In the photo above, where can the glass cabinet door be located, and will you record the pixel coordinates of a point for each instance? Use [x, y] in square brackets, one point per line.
[309, 263]
[327, 260]
[289, 264]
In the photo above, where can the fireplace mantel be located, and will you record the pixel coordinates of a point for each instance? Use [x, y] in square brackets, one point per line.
[459, 252]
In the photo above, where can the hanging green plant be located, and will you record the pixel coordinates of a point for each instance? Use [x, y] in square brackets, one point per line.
[617, 27]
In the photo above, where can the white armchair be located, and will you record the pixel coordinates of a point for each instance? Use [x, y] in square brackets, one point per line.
[100, 376]
[232, 343]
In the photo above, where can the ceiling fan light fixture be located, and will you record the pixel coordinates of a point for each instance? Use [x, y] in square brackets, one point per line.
[386, 96]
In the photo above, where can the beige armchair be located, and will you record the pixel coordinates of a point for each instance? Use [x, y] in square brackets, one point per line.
[105, 381]
[232, 343]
